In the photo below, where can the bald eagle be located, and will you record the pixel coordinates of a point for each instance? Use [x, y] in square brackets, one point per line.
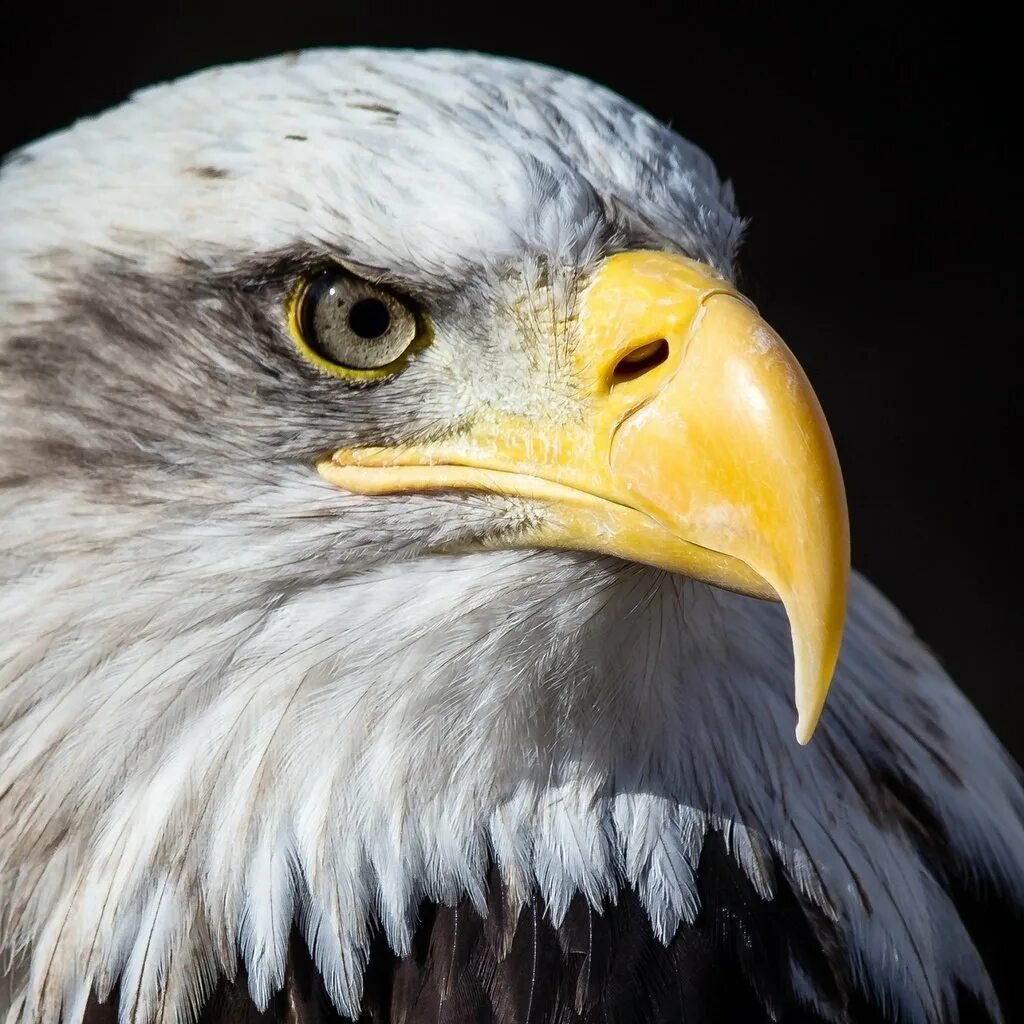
[411, 541]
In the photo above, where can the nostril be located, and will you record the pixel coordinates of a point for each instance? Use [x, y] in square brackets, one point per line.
[640, 360]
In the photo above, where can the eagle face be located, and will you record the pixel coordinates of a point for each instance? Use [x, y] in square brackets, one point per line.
[397, 492]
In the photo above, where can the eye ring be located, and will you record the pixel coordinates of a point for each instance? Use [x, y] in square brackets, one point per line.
[353, 328]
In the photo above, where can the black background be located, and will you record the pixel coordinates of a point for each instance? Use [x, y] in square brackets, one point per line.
[872, 152]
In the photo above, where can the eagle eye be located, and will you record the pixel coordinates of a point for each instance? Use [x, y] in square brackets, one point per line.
[351, 327]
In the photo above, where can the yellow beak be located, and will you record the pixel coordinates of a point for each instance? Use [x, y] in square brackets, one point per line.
[696, 445]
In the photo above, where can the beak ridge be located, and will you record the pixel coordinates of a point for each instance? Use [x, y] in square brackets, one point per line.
[734, 454]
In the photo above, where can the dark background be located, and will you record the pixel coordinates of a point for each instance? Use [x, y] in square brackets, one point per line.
[873, 156]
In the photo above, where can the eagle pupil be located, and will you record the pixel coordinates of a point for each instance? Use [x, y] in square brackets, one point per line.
[369, 318]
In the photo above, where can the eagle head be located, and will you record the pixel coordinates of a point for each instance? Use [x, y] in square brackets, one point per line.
[403, 507]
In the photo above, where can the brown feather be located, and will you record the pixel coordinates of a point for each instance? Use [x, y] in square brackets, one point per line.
[599, 966]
